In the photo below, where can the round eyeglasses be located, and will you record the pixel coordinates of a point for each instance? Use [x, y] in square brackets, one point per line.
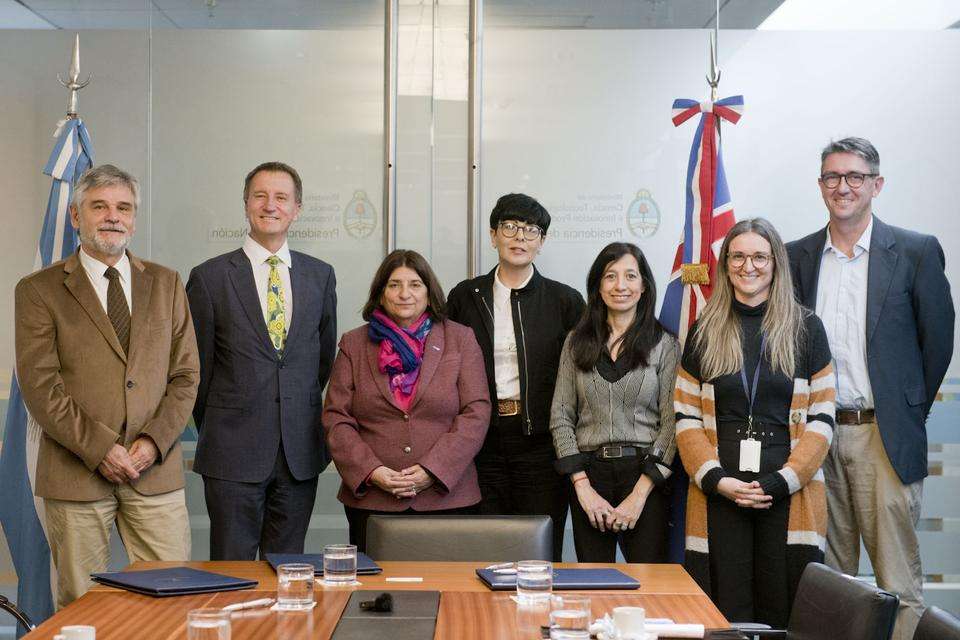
[510, 230]
[759, 260]
[854, 179]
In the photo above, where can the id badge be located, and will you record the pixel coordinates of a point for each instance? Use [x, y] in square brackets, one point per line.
[750, 455]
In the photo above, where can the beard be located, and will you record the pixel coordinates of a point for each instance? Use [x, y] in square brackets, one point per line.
[106, 246]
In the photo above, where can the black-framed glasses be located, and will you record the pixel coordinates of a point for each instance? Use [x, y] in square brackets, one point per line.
[510, 230]
[854, 179]
[759, 260]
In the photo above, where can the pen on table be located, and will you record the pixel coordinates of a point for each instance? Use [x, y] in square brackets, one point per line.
[502, 567]
[250, 604]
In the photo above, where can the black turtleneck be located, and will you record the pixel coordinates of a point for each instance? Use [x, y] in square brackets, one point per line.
[771, 409]
[774, 391]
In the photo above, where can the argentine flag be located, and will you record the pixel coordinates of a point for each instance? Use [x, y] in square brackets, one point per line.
[20, 512]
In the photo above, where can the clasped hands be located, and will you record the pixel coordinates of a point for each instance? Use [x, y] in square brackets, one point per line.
[120, 465]
[406, 483]
[603, 515]
[746, 494]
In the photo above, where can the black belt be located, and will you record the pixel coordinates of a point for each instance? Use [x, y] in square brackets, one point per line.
[855, 416]
[612, 451]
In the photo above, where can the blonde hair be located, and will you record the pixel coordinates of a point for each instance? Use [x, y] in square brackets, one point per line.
[718, 338]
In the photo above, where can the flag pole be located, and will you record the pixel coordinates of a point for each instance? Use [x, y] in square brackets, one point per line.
[713, 77]
[73, 82]
[21, 512]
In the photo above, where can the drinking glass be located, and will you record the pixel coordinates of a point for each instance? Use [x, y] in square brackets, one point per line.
[569, 617]
[534, 580]
[208, 624]
[295, 587]
[340, 564]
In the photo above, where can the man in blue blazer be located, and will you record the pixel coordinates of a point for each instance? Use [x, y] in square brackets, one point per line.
[266, 327]
[885, 302]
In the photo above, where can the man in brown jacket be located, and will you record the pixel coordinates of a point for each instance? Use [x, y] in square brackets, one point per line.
[107, 362]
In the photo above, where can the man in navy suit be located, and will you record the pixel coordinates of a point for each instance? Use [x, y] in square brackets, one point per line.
[266, 327]
[885, 302]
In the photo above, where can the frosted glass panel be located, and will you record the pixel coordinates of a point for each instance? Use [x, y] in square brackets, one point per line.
[114, 109]
[225, 101]
[581, 120]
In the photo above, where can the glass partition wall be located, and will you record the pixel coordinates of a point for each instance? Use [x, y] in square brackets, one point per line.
[574, 108]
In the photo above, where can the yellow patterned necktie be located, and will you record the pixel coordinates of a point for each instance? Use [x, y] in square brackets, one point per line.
[277, 323]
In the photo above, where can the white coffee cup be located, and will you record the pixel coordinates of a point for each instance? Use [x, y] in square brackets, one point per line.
[79, 632]
[630, 621]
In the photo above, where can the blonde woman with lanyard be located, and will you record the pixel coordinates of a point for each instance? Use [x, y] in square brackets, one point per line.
[755, 407]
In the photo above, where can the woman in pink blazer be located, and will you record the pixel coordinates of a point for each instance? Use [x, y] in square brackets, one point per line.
[407, 407]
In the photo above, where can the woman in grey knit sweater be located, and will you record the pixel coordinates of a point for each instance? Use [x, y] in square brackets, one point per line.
[612, 417]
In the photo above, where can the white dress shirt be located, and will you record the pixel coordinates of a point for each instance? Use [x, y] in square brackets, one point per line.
[842, 305]
[506, 366]
[95, 270]
[258, 257]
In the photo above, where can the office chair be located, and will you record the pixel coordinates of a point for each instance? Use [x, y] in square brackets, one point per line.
[937, 624]
[15, 611]
[831, 605]
[460, 538]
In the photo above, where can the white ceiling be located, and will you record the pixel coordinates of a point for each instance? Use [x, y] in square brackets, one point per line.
[339, 14]
[354, 14]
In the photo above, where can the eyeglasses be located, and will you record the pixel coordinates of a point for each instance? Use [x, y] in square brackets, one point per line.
[854, 179]
[510, 230]
[759, 260]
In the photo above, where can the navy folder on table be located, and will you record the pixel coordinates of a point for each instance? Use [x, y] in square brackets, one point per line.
[175, 581]
[365, 565]
[565, 579]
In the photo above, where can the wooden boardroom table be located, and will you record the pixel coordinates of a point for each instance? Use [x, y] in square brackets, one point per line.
[468, 610]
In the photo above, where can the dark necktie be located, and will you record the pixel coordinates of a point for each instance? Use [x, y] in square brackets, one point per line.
[117, 309]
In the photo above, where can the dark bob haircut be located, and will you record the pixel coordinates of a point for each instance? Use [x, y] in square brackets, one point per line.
[520, 207]
[436, 301]
[275, 167]
[590, 336]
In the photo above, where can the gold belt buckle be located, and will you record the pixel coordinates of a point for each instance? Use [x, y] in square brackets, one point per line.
[508, 407]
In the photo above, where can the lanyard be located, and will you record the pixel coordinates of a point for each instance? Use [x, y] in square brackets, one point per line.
[751, 394]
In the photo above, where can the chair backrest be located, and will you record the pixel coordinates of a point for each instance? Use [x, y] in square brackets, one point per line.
[831, 605]
[460, 538]
[937, 624]
[17, 613]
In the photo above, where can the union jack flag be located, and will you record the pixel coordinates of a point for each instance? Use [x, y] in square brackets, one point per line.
[708, 216]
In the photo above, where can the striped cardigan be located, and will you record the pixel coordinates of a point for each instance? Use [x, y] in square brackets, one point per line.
[811, 419]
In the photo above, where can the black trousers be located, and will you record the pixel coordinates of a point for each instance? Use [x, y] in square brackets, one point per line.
[357, 519]
[748, 561]
[748, 547]
[517, 477]
[271, 516]
[614, 479]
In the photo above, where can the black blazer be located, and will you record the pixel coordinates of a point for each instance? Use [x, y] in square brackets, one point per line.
[910, 320]
[250, 400]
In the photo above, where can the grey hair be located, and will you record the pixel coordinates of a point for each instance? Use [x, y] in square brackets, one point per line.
[857, 146]
[104, 175]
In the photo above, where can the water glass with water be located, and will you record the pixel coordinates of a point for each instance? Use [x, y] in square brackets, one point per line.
[340, 564]
[569, 617]
[208, 624]
[534, 580]
[295, 586]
